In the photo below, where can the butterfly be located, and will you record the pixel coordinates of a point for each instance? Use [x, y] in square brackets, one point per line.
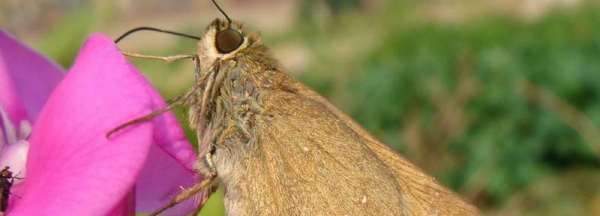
[279, 148]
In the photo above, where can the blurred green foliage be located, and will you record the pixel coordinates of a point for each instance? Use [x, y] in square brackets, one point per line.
[65, 38]
[489, 106]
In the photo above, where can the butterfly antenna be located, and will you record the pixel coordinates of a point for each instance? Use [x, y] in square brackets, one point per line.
[144, 28]
[222, 12]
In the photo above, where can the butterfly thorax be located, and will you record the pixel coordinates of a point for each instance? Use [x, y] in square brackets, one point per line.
[224, 110]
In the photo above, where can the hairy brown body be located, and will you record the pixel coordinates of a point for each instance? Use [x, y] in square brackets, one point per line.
[278, 148]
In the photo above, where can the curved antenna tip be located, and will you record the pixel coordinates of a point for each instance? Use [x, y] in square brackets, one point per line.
[222, 11]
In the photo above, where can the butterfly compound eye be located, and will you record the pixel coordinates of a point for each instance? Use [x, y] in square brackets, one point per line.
[228, 40]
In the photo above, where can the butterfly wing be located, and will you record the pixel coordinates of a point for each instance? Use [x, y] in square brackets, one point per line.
[423, 193]
[310, 159]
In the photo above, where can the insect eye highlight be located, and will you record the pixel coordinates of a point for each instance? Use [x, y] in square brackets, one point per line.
[228, 40]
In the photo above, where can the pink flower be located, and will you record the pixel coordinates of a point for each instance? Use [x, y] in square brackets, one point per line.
[53, 127]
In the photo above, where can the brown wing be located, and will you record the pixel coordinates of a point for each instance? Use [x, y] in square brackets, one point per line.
[424, 195]
[310, 159]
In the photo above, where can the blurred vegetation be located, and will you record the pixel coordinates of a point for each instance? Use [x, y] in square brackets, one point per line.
[503, 110]
[491, 106]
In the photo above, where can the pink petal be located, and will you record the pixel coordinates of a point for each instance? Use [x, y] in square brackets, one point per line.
[26, 79]
[169, 167]
[162, 179]
[169, 136]
[72, 168]
[125, 206]
[15, 156]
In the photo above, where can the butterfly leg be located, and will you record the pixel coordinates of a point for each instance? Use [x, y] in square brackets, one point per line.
[181, 99]
[138, 120]
[167, 59]
[203, 186]
[204, 198]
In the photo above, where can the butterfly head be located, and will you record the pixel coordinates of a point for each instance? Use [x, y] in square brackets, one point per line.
[223, 41]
